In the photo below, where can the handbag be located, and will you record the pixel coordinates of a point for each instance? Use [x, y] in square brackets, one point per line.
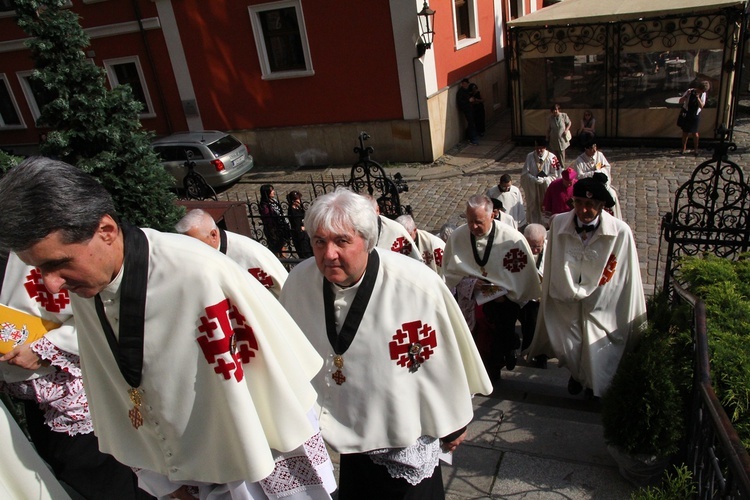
[568, 136]
[682, 118]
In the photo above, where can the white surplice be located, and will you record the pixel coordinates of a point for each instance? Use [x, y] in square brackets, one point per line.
[587, 166]
[512, 202]
[534, 185]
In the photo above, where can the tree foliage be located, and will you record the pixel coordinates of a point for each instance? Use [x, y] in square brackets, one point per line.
[91, 126]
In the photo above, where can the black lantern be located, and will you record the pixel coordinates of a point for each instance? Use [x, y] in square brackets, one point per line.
[425, 17]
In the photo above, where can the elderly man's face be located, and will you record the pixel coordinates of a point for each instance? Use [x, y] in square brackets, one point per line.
[536, 244]
[81, 268]
[586, 209]
[340, 257]
[479, 221]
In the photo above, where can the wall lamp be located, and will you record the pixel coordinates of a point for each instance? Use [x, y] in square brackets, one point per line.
[426, 33]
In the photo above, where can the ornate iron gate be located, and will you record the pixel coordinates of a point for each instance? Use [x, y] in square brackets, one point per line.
[711, 212]
[368, 176]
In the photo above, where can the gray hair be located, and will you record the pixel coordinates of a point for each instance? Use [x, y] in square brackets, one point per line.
[408, 222]
[479, 201]
[41, 195]
[196, 218]
[446, 231]
[342, 211]
[535, 232]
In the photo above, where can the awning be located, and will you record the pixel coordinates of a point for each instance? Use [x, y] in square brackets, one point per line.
[594, 11]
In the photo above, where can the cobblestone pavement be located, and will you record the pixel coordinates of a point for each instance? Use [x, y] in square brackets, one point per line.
[646, 180]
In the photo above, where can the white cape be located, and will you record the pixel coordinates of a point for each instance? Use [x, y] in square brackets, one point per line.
[208, 415]
[382, 403]
[593, 308]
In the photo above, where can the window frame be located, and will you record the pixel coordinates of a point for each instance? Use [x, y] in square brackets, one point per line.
[260, 43]
[473, 25]
[109, 66]
[19, 126]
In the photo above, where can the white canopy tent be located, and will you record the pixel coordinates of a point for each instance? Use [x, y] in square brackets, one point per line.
[627, 61]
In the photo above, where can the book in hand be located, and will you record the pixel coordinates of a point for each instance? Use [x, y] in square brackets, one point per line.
[18, 327]
[485, 292]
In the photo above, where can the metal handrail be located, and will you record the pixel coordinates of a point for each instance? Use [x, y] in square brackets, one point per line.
[719, 462]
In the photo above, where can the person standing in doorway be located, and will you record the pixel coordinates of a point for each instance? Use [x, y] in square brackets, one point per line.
[558, 133]
[693, 101]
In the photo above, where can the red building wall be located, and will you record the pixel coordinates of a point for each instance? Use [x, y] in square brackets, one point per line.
[452, 65]
[352, 55]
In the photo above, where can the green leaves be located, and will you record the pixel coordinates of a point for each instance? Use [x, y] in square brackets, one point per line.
[90, 126]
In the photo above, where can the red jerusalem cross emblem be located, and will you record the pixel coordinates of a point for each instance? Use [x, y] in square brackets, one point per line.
[401, 246]
[413, 344]
[52, 302]
[439, 257]
[261, 276]
[229, 341]
[609, 270]
[515, 260]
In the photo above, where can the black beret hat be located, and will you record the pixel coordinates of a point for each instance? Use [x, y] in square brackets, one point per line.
[593, 189]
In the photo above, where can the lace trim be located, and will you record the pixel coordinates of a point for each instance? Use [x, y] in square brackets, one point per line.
[294, 474]
[58, 358]
[413, 463]
[60, 394]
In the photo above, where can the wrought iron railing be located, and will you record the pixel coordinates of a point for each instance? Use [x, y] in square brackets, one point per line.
[718, 460]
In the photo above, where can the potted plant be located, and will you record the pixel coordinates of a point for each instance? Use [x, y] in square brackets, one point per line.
[644, 412]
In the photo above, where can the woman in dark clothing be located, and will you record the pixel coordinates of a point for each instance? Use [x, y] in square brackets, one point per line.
[275, 226]
[296, 216]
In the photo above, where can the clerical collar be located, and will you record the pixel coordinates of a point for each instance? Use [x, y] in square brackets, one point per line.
[112, 291]
[340, 288]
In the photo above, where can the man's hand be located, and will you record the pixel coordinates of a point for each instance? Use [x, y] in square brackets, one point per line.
[24, 357]
[452, 445]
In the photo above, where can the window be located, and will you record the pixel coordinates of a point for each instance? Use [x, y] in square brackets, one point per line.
[10, 117]
[281, 39]
[465, 22]
[36, 95]
[127, 71]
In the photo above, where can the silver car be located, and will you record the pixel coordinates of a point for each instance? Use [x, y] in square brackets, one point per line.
[219, 157]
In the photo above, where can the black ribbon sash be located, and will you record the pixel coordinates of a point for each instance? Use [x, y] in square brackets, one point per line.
[486, 257]
[342, 340]
[588, 228]
[128, 351]
[223, 243]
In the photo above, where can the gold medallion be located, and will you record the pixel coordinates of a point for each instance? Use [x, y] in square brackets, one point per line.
[136, 419]
[338, 361]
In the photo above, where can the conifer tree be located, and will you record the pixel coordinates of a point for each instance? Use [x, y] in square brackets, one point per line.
[91, 126]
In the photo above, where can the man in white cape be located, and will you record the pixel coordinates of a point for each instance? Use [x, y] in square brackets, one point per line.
[259, 261]
[430, 247]
[496, 266]
[392, 235]
[593, 307]
[510, 196]
[539, 170]
[195, 376]
[45, 374]
[591, 162]
[400, 364]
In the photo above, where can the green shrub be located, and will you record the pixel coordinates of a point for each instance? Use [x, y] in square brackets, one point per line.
[674, 487]
[644, 409]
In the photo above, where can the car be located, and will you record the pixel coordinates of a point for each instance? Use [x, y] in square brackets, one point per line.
[218, 156]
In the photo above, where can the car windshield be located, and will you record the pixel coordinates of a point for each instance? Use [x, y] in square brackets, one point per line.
[224, 145]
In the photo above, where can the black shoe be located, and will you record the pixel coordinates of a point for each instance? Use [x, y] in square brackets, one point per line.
[540, 362]
[574, 386]
[510, 361]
